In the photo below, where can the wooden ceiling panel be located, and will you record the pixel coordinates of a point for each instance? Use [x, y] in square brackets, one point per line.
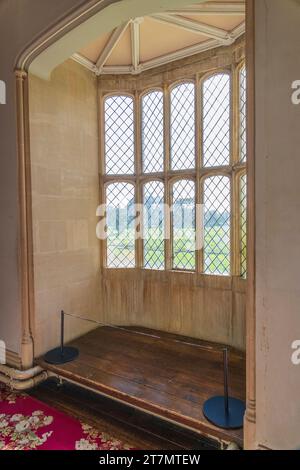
[92, 51]
[144, 43]
[158, 39]
[121, 55]
[226, 22]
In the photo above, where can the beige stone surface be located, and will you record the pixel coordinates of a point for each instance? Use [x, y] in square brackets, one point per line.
[65, 195]
[20, 23]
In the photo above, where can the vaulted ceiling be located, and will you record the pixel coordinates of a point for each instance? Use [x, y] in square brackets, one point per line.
[144, 43]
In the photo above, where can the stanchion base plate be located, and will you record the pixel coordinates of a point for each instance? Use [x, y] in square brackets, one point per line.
[214, 411]
[56, 357]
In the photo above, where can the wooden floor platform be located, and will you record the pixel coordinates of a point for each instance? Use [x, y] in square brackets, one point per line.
[157, 372]
[140, 430]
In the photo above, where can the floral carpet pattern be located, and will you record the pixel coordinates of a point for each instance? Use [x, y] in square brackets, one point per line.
[28, 424]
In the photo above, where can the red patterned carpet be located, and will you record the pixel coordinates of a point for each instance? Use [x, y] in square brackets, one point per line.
[28, 424]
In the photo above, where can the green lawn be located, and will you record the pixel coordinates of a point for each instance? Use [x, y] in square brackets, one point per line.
[216, 252]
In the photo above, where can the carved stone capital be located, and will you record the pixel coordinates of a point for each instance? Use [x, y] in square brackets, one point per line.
[21, 74]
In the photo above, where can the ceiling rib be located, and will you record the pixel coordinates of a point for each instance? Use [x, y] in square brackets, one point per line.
[216, 37]
[181, 54]
[117, 70]
[233, 8]
[172, 56]
[135, 43]
[239, 30]
[88, 64]
[164, 59]
[111, 44]
[195, 27]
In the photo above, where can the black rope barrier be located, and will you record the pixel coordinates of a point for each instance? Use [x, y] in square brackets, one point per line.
[223, 411]
[154, 336]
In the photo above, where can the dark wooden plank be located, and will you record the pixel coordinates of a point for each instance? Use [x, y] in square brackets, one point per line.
[140, 430]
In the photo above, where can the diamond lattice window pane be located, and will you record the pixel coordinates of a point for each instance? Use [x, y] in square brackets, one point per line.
[243, 128]
[153, 132]
[184, 225]
[120, 220]
[217, 225]
[153, 225]
[243, 225]
[119, 135]
[183, 126]
[216, 120]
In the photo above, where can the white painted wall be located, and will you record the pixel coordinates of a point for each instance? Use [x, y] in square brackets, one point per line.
[277, 222]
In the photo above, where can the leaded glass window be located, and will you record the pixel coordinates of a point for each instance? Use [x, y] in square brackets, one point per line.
[216, 120]
[119, 135]
[242, 104]
[153, 225]
[120, 220]
[147, 144]
[183, 126]
[183, 227]
[243, 225]
[217, 208]
[153, 132]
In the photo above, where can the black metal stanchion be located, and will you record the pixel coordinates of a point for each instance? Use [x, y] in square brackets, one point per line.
[225, 412]
[63, 353]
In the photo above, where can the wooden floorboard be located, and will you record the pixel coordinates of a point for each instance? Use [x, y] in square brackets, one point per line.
[139, 430]
[167, 375]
